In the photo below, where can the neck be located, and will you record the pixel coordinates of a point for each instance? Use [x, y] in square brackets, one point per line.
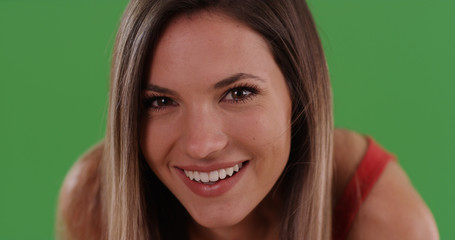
[262, 223]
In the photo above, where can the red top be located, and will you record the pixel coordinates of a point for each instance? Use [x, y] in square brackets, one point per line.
[358, 188]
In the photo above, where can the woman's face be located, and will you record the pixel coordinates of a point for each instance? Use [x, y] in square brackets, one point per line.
[217, 132]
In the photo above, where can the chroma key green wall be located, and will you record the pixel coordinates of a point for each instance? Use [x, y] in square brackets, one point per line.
[391, 65]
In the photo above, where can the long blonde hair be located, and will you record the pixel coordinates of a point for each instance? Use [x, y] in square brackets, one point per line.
[136, 204]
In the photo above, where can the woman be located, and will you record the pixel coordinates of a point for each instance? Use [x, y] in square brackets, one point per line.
[220, 127]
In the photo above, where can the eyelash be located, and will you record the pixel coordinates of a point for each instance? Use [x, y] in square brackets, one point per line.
[250, 88]
[149, 102]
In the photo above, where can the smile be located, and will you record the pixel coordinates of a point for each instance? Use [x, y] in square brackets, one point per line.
[211, 181]
[213, 176]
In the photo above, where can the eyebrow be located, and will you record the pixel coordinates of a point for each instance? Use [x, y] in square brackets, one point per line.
[158, 89]
[234, 78]
[223, 83]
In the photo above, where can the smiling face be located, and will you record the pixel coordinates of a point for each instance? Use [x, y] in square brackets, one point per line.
[217, 131]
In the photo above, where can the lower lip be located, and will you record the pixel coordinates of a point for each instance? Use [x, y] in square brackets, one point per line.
[215, 189]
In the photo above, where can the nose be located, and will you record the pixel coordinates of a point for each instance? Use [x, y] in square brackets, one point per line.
[203, 136]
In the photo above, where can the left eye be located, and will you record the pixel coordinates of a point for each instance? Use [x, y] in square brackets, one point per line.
[159, 102]
[238, 94]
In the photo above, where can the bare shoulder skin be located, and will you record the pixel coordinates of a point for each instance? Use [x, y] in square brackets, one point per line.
[393, 208]
[79, 209]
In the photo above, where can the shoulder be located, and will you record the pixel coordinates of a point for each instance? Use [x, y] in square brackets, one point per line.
[79, 206]
[393, 208]
[348, 150]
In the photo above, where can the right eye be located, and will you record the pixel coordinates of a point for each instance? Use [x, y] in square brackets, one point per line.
[159, 102]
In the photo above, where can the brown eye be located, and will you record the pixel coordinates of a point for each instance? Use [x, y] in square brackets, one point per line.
[159, 102]
[238, 94]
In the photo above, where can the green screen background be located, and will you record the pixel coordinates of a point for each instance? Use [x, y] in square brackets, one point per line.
[391, 64]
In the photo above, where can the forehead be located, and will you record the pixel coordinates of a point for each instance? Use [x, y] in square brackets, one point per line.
[208, 29]
[207, 42]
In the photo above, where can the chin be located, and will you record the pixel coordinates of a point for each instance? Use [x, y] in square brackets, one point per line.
[218, 220]
[220, 223]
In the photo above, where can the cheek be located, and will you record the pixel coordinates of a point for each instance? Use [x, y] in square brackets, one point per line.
[263, 122]
[156, 141]
[265, 133]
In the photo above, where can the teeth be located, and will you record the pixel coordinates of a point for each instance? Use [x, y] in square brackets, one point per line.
[229, 171]
[196, 176]
[213, 176]
[222, 174]
[204, 177]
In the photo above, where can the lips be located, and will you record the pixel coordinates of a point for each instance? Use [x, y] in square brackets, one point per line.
[206, 182]
[213, 176]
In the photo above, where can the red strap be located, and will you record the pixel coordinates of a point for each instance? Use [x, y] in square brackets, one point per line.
[361, 183]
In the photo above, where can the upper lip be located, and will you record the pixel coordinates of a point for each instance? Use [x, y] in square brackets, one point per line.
[207, 168]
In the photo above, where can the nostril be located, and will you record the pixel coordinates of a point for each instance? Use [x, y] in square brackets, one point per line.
[204, 145]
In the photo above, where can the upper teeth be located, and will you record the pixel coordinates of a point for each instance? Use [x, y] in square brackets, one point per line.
[213, 176]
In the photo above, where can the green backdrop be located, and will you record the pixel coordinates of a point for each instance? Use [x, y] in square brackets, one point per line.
[391, 65]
